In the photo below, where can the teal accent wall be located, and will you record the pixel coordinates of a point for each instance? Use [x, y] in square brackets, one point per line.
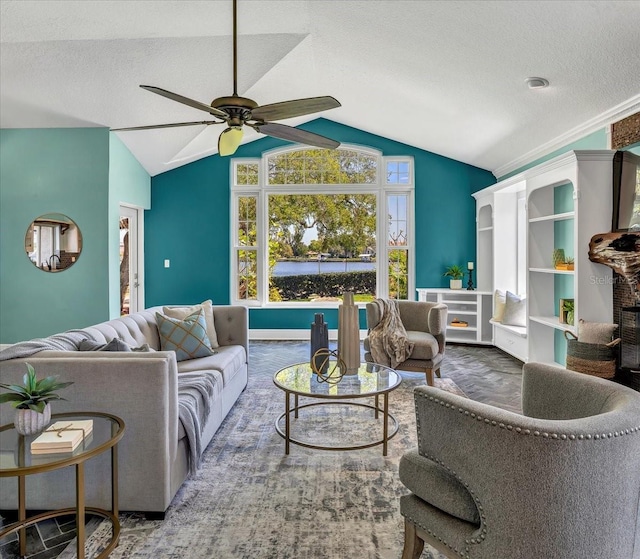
[189, 224]
[129, 184]
[53, 171]
[595, 140]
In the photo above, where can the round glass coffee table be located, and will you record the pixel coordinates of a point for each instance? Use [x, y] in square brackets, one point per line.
[18, 461]
[369, 381]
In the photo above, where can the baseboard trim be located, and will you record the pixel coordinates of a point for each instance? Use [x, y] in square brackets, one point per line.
[285, 334]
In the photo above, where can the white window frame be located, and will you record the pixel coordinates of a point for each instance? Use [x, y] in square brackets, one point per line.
[381, 188]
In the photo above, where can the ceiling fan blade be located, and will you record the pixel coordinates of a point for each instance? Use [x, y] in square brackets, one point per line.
[186, 101]
[284, 132]
[296, 107]
[173, 125]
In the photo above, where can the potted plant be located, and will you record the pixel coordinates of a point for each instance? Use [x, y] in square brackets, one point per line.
[558, 258]
[567, 310]
[31, 401]
[456, 273]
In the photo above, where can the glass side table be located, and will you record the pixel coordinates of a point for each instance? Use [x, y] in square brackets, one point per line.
[18, 461]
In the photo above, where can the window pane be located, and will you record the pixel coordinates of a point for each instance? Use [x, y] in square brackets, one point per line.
[321, 245]
[322, 166]
[399, 274]
[247, 173]
[398, 224]
[247, 224]
[398, 172]
[247, 275]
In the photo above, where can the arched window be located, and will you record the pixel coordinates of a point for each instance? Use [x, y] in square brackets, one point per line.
[309, 224]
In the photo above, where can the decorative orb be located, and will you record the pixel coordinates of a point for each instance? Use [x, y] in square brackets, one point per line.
[328, 365]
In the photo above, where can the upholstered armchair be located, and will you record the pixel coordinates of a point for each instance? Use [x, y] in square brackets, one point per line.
[426, 325]
[560, 481]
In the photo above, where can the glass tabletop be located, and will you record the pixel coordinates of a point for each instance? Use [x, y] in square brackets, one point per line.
[15, 450]
[370, 379]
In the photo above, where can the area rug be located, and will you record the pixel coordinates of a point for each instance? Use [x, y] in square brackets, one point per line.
[251, 501]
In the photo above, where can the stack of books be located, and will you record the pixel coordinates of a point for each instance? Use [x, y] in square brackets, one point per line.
[62, 437]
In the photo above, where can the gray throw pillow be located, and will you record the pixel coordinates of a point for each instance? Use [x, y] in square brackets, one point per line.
[90, 345]
[114, 345]
[515, 310]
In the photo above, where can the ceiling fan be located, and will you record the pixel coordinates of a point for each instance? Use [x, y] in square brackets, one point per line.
[237, 111]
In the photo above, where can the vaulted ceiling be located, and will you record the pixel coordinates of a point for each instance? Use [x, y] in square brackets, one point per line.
[444, 76]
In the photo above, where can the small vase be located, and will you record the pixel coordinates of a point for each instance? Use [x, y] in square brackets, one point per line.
[30, 422]
[455, 284]
[319, 339]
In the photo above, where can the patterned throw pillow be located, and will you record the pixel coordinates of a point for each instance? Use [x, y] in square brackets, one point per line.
[207, 307]
[188, 337]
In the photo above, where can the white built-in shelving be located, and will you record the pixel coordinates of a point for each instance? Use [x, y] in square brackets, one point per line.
[470, 306]
[559, 204]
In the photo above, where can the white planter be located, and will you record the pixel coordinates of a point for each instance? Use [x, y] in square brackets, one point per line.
[29, 422]
[455, 284]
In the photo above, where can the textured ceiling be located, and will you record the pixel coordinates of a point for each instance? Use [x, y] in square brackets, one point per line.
[447, 77]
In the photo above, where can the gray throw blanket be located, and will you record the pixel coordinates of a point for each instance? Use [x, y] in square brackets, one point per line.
[67, 341]
[190, 387]
[388, 341]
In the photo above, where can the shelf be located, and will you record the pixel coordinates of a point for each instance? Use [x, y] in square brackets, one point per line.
[481, 229]
[551, 271]
[553, 322]
[553, 217]
[470, 306]
[452, 312]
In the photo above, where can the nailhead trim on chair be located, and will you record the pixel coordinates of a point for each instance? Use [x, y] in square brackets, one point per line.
[520, 431]
[483, 519]
[483, 526]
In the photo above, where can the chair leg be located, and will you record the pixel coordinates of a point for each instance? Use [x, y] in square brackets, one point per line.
[429, 374]
[438, 372]
[413, 545]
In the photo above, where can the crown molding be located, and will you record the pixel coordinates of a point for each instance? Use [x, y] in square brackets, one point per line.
[623, 110]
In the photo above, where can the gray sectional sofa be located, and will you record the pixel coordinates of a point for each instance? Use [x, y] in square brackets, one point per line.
[146, 390]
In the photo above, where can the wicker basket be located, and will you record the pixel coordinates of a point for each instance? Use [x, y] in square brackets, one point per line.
[592, 359]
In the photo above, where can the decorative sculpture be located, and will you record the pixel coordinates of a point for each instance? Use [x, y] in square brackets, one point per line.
[349, 333]
[621, 252]
[319, 337]
[321, 366]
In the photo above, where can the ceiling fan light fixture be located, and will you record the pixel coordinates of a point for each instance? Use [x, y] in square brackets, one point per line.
[537, 83]
[229, 140]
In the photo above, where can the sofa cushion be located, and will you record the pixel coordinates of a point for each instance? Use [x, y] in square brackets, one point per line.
[188, 337]
[435, 485]
[136, 330]
[207, 307]
[228, 360]
[425, 345]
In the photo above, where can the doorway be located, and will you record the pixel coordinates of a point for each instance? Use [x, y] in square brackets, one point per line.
[131, 299]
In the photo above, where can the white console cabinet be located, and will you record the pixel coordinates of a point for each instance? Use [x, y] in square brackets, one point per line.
[472, 307]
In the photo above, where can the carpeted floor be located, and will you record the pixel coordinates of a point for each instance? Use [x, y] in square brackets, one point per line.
[249, 500]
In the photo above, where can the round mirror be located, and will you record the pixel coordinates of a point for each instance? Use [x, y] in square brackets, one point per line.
[53, 242]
